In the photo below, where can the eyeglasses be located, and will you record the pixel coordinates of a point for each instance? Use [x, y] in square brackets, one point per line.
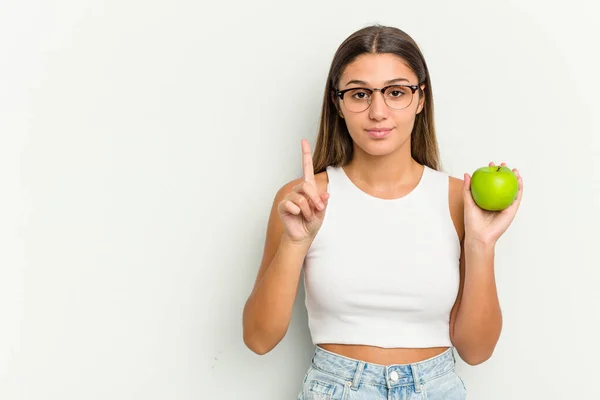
[396, 97]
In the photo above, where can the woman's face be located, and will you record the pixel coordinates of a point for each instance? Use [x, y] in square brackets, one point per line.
[377, 71]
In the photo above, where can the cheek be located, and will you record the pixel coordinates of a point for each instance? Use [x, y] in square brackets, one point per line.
[405, 121]
[355, 124]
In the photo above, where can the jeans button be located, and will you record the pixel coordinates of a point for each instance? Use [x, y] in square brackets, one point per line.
[394, 376]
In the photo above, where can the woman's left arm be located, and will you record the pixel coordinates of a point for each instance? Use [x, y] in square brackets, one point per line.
[476, 320]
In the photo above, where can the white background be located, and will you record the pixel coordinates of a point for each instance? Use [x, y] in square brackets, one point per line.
[142, 143]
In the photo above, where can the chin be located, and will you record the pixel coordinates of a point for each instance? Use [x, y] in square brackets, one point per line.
[380, 147]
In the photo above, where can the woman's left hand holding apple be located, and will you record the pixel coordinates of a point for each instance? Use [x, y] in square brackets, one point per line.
[486, 227]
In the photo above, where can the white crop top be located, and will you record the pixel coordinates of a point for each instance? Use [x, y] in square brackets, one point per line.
[383, 272]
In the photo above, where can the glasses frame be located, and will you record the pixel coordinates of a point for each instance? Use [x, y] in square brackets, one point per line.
[340, 94]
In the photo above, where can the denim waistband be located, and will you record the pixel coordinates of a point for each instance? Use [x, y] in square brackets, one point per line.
[357, 371]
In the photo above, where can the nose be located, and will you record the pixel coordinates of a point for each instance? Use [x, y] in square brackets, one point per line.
[378, 109]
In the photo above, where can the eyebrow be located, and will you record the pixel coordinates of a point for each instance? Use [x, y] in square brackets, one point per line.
[359, 82]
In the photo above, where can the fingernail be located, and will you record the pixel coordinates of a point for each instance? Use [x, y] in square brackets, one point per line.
[321, 206]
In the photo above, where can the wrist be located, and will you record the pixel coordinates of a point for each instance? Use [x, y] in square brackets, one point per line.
[479, 244]
[301, 245]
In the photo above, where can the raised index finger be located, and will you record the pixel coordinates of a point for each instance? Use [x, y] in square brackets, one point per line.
[307, 163]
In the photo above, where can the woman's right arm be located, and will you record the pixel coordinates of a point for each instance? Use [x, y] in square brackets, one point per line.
[296, 216]
[268, 310]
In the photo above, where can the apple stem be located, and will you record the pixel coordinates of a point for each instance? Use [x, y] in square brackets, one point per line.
[498, 169]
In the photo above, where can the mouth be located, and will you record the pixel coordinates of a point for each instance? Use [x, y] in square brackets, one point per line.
[379, 133]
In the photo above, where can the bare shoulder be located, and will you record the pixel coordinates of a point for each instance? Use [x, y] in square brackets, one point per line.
[455, 198]
[322, 181]
[456, 186]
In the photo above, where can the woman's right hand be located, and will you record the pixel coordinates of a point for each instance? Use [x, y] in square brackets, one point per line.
[303, 209]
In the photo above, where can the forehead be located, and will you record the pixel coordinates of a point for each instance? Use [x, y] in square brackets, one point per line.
[375, 69]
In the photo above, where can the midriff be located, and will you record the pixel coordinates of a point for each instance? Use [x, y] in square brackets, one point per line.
[383, 356]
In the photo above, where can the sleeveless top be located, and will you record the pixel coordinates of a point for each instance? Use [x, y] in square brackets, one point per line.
[383, 272]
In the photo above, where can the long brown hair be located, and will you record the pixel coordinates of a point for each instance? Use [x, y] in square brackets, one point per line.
[334, 145]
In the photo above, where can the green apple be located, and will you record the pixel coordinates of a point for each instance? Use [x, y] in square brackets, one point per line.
[494, 188]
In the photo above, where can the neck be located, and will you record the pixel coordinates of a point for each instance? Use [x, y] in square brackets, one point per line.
[384, 172]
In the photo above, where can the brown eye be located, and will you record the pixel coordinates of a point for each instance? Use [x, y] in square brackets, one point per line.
[359, 94]
[397, 91]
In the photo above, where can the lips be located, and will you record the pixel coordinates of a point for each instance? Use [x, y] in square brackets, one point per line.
[379, 132]
[379, 129]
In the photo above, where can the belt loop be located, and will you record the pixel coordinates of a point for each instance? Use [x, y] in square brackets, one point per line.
[357, 374]
[453, 355]
[416, 379]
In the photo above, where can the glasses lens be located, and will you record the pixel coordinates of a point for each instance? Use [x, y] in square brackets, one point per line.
[398, 97]
[357, 100]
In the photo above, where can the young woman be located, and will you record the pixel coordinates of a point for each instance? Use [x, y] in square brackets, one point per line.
[398, 260]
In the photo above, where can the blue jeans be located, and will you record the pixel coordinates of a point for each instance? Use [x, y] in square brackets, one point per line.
[334, 377]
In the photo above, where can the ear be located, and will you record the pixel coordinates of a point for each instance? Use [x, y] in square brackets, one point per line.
[421, 99]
